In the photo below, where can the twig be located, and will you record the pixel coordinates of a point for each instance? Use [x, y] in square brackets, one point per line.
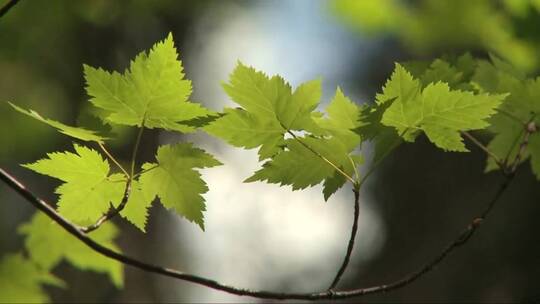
[484, 148]
[350, 247]
[7, 7]
[144, 171]
[354, 229]
[329, 294]
[127, 190]
[109, 155]
[356, 174]
[112, 212]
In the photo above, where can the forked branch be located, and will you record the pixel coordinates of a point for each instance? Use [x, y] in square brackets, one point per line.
[114, 211]
[329, 294]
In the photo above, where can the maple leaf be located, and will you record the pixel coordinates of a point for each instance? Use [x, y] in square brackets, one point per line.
[269, 109]
[176, 183]
[151, 93]
[48, 244]
[87, 191]
[300, 167]
[371, 129]
[522, 105]
[438, 111]
[343, 119]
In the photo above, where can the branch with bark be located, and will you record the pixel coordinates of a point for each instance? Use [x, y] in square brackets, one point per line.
[459, 241]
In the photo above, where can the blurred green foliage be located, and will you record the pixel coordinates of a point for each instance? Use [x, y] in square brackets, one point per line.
[43, 45]
[508, 28]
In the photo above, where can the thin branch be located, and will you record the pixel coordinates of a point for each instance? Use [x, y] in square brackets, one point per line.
[109, 155]
[356, 190]
[127, 190]
[112, 211]
[347, 176]
[356, 174]
[7, 7]
[484, 148]
[350, 247]
[145, 170]
[329, 294]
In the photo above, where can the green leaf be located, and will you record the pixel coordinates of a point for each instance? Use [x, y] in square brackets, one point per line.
[21, 281]
[269, 109]
[456, 72]
[153, 92]
[48, 244]
[79, 133]
[136, 209]
[343, 119]
[294, 113]
[522, 104]
[299, 167]
[87, 190]
[243, 129]
[176, 183]
[438, 111]
[400, 87]
[371, 129]
[506, 142]
[86, 164]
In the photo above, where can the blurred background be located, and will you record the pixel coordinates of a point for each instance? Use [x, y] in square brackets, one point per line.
[258, 235]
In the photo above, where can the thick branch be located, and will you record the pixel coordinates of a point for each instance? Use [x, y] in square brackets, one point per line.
[8, 6]
[350, 247]
[76, 232]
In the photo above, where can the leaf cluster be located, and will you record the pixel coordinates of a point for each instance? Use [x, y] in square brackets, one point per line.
[301, 143]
